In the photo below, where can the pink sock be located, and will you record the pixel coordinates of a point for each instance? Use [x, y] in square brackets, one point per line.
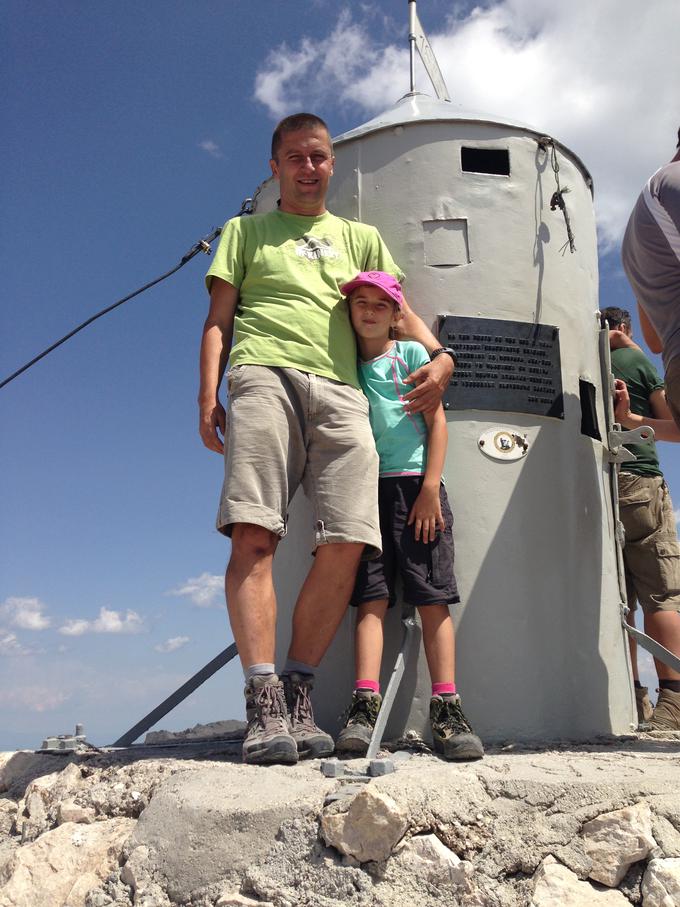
[443, 688]
[371, 685]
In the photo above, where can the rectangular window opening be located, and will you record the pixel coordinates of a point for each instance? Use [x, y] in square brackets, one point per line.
[485, 160]
[588, 395]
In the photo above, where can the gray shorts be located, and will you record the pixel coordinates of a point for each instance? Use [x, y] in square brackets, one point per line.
[286, 427]
[651, 554]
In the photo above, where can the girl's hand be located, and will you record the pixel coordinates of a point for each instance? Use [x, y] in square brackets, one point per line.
[426, 513]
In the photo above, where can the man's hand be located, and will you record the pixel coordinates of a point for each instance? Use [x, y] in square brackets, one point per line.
[211, 424]
[431, 381]
[621, 401]
[426, 513]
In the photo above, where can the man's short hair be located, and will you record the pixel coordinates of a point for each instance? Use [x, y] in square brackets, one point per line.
[292, 124]
[615, 316]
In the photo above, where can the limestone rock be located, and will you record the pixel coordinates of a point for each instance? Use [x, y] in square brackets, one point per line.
[8, 813]
[661, 883]
[210, 823]
[370, 828]
[555, 884]
[427, 856]
[616, 840]
[4, 759]
[70, 811]
[64, 864]
[232, 899]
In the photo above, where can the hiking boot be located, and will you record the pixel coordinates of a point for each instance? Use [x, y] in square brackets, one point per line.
[666, 715]
[644, 705]
[363, 714]
[311, 741]
[452, 735]
[267, 739]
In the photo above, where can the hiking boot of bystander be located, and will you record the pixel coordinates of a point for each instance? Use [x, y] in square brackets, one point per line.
[666, 712]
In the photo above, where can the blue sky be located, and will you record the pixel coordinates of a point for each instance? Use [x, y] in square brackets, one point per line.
[130, 130]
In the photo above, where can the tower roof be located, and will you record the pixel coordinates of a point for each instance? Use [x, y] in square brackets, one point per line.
[416, 107]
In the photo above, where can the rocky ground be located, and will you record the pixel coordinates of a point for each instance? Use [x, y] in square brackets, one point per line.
[160, 825]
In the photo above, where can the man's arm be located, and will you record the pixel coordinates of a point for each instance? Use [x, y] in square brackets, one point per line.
[426, 512]
[431, 380]
[663, 424]
[215, 346]
[651, 337]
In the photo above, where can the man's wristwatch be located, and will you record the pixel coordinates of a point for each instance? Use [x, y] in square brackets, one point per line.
[444, 349]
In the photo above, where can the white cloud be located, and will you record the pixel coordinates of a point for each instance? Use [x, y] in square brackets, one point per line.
[34, 698]
[10, 645]
[601, 77]
[25, 613]
[107, 622]
[205, 591]
[211, 148]
[171, 645]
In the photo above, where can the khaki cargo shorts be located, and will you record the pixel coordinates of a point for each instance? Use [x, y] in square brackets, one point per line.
[672, 382]
[286, 428]
[652, 554]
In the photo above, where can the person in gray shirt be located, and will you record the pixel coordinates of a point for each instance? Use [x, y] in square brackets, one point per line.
[651, 258]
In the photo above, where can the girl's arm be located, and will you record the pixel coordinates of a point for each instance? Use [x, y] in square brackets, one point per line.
[426, 512]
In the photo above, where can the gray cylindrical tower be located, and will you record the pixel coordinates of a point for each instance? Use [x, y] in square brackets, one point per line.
[463, 201]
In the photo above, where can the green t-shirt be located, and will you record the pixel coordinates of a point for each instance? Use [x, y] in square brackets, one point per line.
[289, 270]
[642, 380]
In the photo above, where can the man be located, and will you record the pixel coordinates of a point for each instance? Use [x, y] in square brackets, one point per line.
[651, 554]
[296, 414]
[651, 258]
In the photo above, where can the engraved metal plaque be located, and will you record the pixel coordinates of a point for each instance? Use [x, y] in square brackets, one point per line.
[507, 366]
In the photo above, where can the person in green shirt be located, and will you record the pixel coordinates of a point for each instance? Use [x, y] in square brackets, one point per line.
[651, 554]
[296, 416]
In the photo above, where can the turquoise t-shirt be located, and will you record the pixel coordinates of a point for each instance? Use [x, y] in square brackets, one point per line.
[400, 438]
[289, 270]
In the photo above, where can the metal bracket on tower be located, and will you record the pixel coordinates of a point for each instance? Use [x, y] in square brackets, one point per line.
[410, 625]
[617, 437]
[653, 647]
[418, 41]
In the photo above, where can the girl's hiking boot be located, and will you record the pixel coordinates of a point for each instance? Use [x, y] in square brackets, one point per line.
[452, 735]
[363, 713]
[311, 741]
[267, 739]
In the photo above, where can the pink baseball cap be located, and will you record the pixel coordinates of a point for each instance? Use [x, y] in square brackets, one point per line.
[380, 279]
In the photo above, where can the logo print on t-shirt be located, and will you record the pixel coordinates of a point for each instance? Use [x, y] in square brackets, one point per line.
[314, 248]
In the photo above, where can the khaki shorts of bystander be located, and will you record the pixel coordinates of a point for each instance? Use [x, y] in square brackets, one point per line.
[286, 427]
[652, 553]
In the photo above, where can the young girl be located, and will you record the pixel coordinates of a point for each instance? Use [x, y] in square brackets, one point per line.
[415, 522]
